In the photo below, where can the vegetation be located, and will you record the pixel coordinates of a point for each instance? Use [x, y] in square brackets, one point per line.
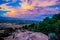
[48, 25]
[7, 32]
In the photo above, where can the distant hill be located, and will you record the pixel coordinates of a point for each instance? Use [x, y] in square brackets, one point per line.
[16, 20]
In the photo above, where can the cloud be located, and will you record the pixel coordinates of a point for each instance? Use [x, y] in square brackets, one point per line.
[31, 13]
[29, 8]
[3, 12]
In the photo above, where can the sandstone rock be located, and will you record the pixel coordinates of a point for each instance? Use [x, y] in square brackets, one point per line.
[27, 35]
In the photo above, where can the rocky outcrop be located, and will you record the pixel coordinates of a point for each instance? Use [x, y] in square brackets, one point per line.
[27, 35]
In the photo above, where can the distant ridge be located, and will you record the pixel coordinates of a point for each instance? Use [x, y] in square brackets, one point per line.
[16, 20]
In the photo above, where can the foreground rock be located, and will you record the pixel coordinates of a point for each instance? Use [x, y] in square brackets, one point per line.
[27, 35]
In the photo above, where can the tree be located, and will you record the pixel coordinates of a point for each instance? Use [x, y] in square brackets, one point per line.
[1, 38]
[57, 28]
[56, 16]
[9, 30]
[30, 27]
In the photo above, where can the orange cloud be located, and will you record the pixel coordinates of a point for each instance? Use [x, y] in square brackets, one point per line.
[38, 3]
[25, 6]
[11, 12]
[47, 3]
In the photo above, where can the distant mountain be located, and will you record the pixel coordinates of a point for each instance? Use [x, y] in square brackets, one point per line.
[16, 20]
[8, 18]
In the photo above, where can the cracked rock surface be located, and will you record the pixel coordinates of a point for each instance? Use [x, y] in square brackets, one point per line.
[27, 35]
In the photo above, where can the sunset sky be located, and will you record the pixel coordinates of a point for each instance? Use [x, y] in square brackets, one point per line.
[29, 9]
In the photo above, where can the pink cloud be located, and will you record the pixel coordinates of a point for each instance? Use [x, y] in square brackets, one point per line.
[36, 8]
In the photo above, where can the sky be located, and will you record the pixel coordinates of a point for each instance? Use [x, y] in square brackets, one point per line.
[29, 9]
